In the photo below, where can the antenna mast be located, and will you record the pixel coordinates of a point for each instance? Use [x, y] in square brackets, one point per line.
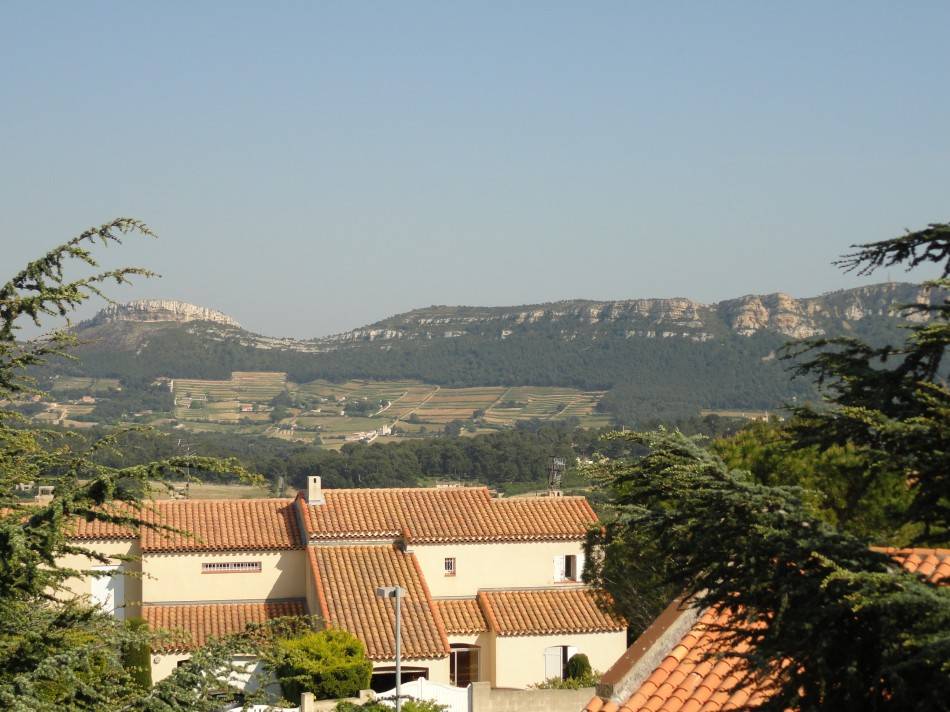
[555, 473]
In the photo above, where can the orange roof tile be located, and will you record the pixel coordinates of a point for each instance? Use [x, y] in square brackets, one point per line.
[691, 677]
[461, 616]
[545, 612]
[932, 564]
[222, 525]
[704, 671]
[450, 514]
[346, 578]
[201, 621]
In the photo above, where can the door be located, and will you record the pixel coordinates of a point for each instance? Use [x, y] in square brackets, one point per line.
[108, 591]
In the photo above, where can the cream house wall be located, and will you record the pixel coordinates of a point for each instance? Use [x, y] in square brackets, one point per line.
[82, 586]
[178, 577]
[492, 565]
[519, 660]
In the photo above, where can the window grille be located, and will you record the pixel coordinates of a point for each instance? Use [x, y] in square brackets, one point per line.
[450, 566]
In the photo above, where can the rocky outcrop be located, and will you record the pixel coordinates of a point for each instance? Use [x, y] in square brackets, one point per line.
[170, 310]
[834, 312]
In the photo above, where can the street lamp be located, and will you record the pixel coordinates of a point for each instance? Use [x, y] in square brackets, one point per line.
[396, 593]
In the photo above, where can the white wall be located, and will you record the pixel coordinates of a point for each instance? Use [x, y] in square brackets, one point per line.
[178, 577]
[497, 565]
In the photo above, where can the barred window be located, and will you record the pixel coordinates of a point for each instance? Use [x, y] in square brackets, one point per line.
[449, 566]
[231, 567]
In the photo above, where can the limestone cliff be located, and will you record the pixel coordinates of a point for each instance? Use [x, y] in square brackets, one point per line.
[161, 310]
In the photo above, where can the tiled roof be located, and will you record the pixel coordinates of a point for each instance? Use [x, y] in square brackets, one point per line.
[461, 616]
[222, 525]
[706, 672]
[204, 620]
[83, 529]
[693, 677]
[546, 612]
[346, 578]
[450, 514]
[932, 564]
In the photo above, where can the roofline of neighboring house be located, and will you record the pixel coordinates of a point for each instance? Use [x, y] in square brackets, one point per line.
[640, 660]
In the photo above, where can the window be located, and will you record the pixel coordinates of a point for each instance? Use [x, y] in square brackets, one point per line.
[568, 568]
[450, 566]
[555, 660]
[463, 664]
[231, 567]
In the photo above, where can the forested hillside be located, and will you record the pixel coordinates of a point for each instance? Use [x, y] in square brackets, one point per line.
[669, 358]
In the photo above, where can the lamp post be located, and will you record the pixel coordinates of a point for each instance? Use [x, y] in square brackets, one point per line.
[396, 593]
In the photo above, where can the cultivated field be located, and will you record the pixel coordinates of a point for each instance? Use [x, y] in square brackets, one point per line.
[87, 385]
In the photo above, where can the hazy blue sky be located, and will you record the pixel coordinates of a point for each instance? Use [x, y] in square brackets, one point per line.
[313, 167]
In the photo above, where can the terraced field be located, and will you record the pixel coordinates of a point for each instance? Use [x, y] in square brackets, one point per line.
[413, 407]
[222, 401]
[527, 402]
[248, 386]
[448, 404]
[88, 385]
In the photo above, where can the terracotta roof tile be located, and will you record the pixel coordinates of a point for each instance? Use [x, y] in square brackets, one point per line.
[545, 612]
[688, 679]
[444, 514]
[346, 578]
[461, 616]
[932, 564]
[201, 621]
[222, 525]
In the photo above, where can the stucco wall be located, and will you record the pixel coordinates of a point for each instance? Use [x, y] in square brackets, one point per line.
[178, 577]
[133, 584]
[499, 565]
[519, 660]
[485, 699]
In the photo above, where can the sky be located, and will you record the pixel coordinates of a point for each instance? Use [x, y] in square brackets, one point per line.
[313, 167]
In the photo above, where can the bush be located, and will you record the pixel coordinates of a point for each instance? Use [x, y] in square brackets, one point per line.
[329, 663]
[135, 658]
[589, 679]
[578, 667]
[408, 705]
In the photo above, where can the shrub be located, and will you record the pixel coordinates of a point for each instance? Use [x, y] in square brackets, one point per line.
[408, 705]
[578, 667]
[571, 683]
[329, 663]
[135, 657]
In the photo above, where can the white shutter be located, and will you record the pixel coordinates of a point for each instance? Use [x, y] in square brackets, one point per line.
[109, 591]
[553, 663]
[558, 568]
[580, 566]
[571, 651]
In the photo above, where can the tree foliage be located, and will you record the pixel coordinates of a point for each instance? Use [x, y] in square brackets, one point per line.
[57, 652]
[862, 634]
[890, 403]
[824, 620]
[329, 663]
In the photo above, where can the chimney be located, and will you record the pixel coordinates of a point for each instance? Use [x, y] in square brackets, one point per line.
[314, 490]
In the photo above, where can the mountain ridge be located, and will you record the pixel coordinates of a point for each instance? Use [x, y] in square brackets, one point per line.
[793, 317]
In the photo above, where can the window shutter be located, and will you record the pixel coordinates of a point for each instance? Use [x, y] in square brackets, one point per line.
[558, 568]
[580, 566]
[553, 666]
